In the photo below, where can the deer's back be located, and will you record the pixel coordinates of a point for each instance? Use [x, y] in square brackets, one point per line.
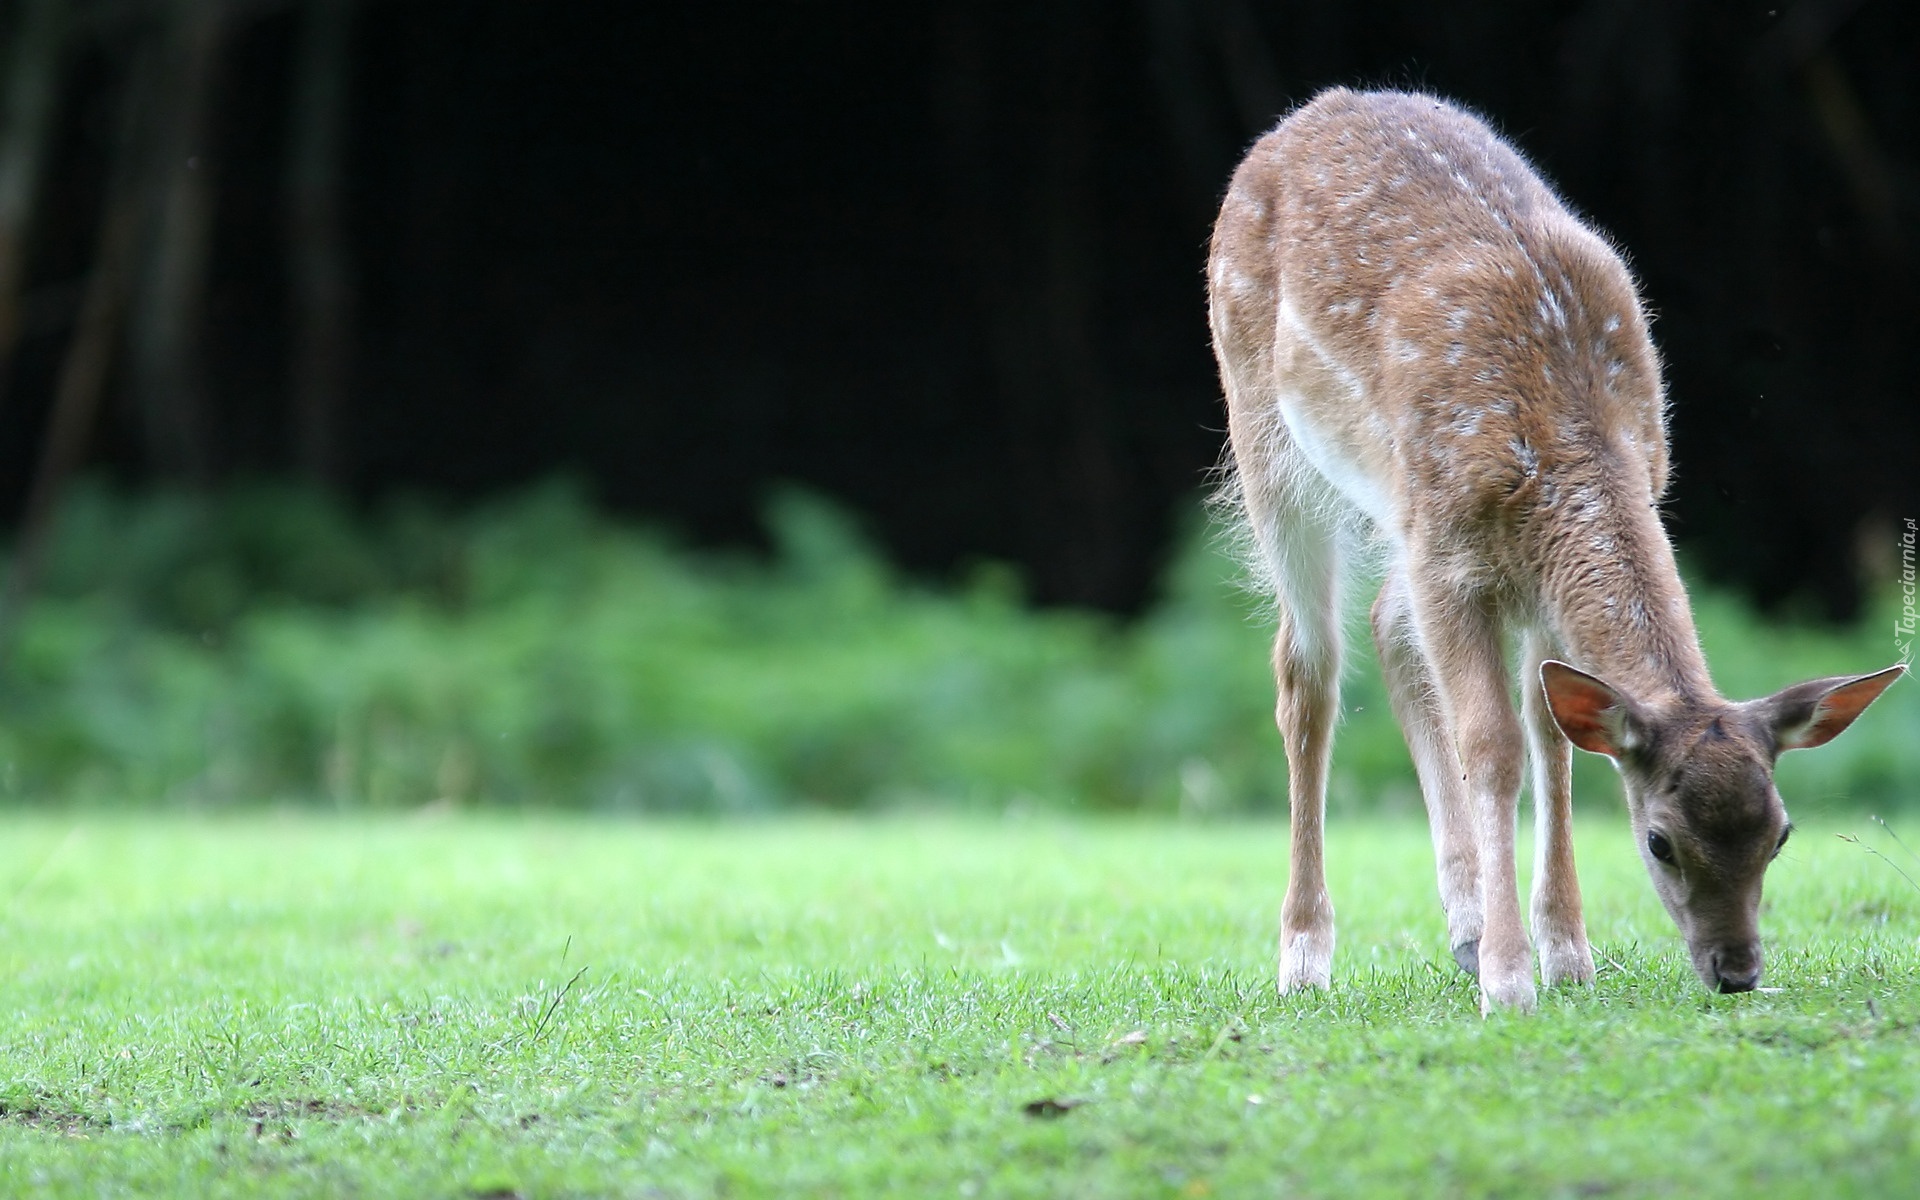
[1425, 310]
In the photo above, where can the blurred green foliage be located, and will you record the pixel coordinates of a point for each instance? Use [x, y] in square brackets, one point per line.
[267, 645]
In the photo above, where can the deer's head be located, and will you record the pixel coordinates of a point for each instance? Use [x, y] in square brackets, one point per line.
[1700, 794]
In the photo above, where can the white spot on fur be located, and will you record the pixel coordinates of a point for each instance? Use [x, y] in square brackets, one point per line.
[1550, 311]
[1583, 506]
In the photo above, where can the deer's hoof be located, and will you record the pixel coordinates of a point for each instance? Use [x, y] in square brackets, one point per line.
[1467, 954]
[1512, 995]
[1306, 960]
[1570, 962]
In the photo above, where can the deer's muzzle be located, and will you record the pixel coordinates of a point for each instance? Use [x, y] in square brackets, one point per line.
[1730, 968]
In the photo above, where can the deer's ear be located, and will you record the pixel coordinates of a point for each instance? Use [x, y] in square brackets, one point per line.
[1593, 715]
[1814, 713]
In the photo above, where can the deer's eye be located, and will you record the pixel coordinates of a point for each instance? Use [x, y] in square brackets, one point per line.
[1782, 843]
[1660, 847]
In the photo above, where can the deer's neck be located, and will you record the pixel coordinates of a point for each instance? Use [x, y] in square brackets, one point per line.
[1613, 594]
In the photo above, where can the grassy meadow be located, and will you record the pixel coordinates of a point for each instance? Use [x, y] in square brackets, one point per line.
[519, 853]
[581, 1006]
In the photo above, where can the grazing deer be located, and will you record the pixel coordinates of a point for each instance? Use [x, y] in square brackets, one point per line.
[1416, 335]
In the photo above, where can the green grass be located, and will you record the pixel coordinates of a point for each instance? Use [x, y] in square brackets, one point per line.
[576, 1006]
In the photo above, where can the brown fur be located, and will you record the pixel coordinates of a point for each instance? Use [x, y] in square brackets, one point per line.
[1416, 335]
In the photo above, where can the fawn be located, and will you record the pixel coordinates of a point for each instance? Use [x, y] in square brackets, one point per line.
[1422, 348]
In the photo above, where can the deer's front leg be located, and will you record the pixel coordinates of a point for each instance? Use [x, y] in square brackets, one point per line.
[1462, 641]
[1559, 930]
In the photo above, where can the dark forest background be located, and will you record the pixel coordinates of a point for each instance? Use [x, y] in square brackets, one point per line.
[940, 261]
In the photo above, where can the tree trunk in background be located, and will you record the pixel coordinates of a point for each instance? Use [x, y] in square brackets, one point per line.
[1259, 97]
[32, 90]
[1088, 484]
[1028, 235]
[168, 380]
[1180, 77]
[322, 279]
[89, 357]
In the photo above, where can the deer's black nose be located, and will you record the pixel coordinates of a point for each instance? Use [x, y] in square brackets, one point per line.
[1737, 970]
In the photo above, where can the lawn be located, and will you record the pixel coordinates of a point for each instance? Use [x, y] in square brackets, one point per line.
[548, 1006]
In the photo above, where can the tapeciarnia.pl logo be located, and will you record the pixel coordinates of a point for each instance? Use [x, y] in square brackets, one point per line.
[1904, 624]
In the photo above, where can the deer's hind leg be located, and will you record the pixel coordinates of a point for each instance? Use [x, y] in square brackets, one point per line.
[1416, 705]
[1306, 671]
[1298, 538]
